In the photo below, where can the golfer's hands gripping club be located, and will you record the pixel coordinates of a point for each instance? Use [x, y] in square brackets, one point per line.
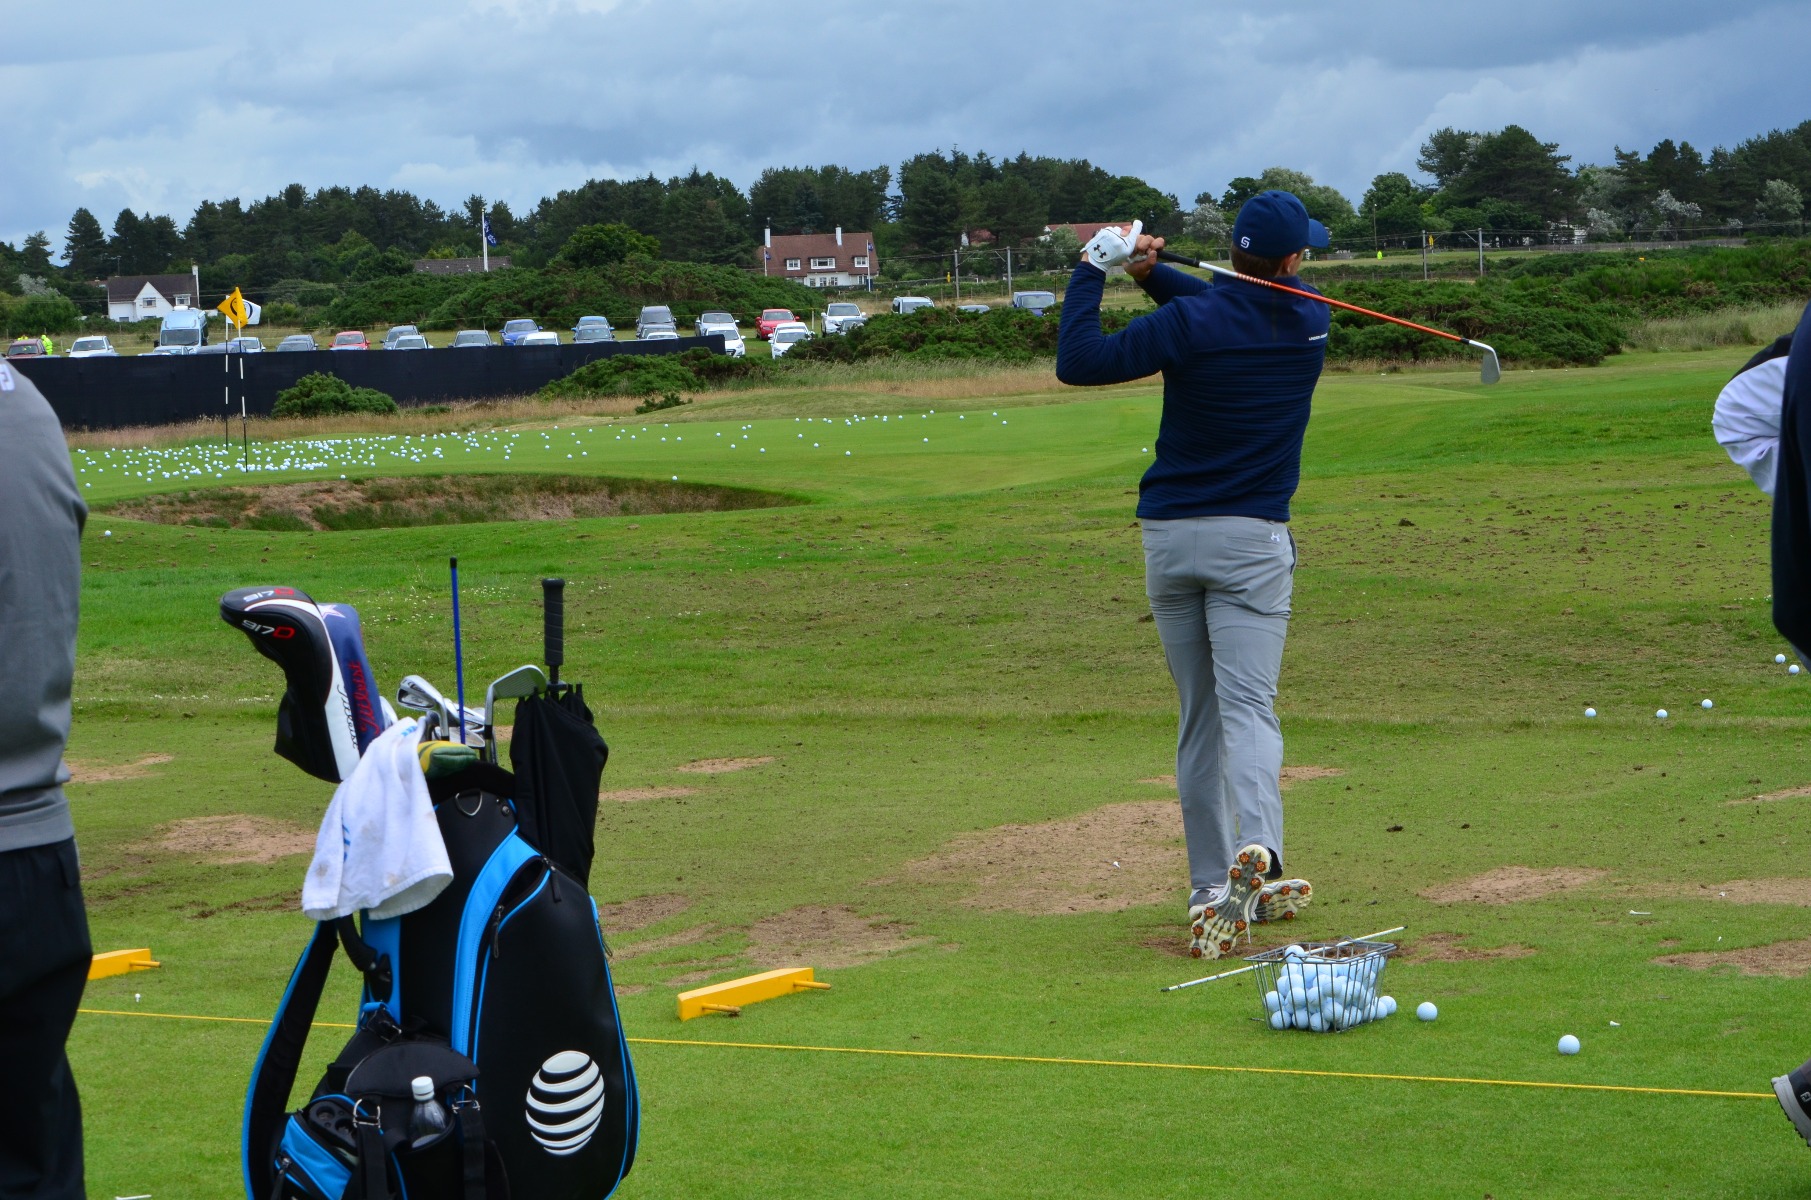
[1145, 251]
[1110, 248]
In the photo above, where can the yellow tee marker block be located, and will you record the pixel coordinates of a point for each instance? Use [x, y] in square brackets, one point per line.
[118, 962]
[729, 997]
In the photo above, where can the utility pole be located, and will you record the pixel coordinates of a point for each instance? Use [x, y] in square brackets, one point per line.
[1480, 253]
[1424, 256]
[1009, 273]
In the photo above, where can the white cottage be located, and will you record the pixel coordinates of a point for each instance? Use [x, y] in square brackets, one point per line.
[149, 297]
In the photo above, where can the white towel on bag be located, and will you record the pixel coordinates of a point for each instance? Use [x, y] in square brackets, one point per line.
[379, 848]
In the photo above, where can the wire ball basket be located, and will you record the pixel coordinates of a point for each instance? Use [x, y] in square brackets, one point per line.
[1323, 987]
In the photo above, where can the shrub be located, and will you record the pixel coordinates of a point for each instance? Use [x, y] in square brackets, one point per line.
[693, 370]
[318, 395]
[670, 400]
[44, 313]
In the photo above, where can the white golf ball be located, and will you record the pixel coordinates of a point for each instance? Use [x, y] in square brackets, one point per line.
[1568, 1045]
[1293, 954]
[1317, 1022]
[1301, 1019]
[1386, 1006]
[1426, 1010]
[1705, 704]
[1779, 658]
[1590, 712]
[1272, 1002]
[107, 533]
[1278, 1021]
[1792, 670]
[1660, 713]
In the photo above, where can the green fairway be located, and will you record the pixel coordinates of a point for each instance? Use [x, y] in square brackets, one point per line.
[940, 643]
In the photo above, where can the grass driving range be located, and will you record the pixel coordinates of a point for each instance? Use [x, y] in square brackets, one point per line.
[945, 642]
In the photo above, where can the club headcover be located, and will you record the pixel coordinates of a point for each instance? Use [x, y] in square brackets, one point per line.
[331, 709]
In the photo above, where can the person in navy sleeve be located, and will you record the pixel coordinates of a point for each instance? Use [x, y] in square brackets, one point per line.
[1239, 364]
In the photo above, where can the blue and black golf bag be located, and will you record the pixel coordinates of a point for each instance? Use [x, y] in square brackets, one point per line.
[498, 990]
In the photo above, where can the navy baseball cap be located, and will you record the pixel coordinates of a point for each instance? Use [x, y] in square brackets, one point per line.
[1274, 224]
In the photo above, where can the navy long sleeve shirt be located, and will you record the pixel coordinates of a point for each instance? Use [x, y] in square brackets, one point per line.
[1792, 498]
[1239, 365]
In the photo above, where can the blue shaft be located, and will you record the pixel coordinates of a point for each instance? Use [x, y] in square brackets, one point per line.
[458, 651]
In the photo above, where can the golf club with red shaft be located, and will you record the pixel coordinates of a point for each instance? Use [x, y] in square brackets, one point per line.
[1491, 372]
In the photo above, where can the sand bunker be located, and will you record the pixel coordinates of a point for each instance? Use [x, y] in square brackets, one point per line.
[82, 771]
[1116, 857]
[433, 500]
[723, 766]
[627, 915]
[631, 795]
[814, 936]
[1509, 885]
[234, 838]
[1789, 959]
[1290, 775]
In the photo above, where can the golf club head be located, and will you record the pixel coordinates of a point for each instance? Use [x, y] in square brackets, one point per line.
[418, 694]
[523, 681]
[1491, 370]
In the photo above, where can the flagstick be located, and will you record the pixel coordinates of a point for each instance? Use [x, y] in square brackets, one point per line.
[1176, 987]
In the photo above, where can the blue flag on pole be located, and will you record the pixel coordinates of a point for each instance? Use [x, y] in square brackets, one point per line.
[490, 239]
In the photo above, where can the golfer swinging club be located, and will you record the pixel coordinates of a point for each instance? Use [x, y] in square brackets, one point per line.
[1239, 365]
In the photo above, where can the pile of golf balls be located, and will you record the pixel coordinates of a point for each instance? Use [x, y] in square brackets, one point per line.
[1324, 995]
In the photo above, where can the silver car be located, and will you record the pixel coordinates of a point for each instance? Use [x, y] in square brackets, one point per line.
[842, 316]
[655, 316]
[472, 337]
[593, 333]
[408, 341]
[398, 331]
[92, 347]
[296, 341]
[908, 304]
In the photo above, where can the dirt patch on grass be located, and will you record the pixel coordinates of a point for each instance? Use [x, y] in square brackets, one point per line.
[1116, 857]
[393, 503]
[1753, 891]
[1450, 948]
[630, 989]
[1794, 793]
[627, 915]
[631, 795]
[1788, 959]
[82, 771]
[234, 838]
[710, 969]
[1509, 885]
[723, 766]
[667, 941]
[815, 936]
[1290, 775]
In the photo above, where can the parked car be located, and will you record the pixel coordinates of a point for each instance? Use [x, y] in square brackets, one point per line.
[655, 316]
[842, 316]
[349, 339]
[514, 331]
[540, 337]
[733, 345]
[907, 304]
[409, 341]
[972, 308]
[713, 322]
[788, 334]
[244, 345]
[771, 318]
[602, 323]
[1038, 303]
[210, 348]
[92, 347]
[471, 337]
[660, 333]
[26, 347]
[398, 331]
[296, 341]
[593, 333]
[183, 329]
[164, 351]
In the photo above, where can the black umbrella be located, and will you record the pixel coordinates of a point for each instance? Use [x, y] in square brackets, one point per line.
[558, 757]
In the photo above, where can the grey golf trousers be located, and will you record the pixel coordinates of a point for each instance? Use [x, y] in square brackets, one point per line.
[1219, 589]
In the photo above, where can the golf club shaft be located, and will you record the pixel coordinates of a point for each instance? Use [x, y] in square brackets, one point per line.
[1176, 987]
[458, 651]
[1185, 260]
[553, 627]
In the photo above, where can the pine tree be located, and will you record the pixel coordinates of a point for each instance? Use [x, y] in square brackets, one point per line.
[85, 246]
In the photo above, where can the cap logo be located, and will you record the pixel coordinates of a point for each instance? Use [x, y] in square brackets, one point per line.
[1245, 243]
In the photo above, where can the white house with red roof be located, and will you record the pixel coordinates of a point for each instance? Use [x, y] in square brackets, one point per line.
[820, 260]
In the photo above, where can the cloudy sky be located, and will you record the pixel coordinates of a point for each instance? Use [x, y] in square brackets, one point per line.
[159, 106]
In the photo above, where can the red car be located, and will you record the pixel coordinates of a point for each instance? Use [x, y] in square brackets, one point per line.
[769, 318]
[351, 339]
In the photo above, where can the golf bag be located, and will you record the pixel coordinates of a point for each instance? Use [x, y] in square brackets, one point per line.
[498, 991]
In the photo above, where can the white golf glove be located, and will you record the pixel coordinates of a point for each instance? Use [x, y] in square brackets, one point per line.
[1110, 248]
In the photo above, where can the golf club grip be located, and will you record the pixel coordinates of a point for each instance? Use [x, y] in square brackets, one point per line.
[553, 625]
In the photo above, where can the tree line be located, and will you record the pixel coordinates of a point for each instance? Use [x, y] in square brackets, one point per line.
[1502, 181]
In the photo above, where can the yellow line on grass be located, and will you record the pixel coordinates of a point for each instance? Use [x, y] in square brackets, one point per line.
[1069, 1062]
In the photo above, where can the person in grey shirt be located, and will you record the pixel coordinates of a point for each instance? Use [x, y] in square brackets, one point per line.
[44, 947]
